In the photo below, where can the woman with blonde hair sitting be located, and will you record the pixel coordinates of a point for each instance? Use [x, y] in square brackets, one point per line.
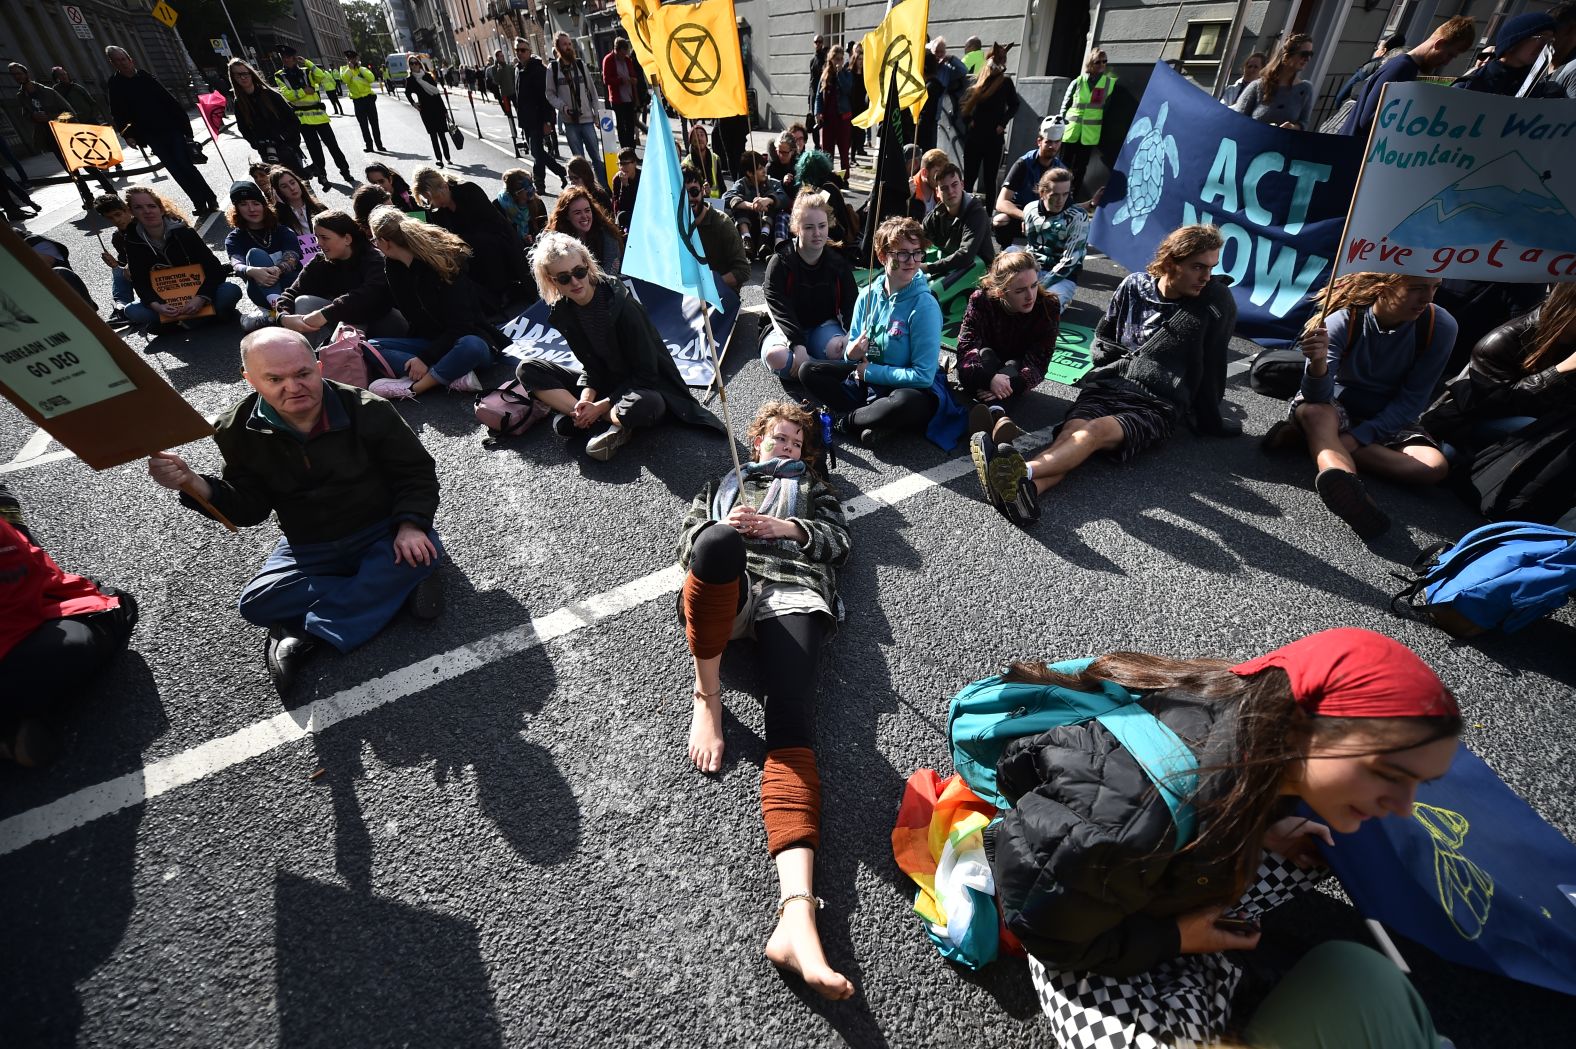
[448, 337]
[628, 379]
[464, 209]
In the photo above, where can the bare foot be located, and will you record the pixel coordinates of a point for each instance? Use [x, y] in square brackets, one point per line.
[796, 946]
[705, 737]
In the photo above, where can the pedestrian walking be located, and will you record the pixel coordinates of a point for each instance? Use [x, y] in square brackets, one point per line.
[303, 85]
[359, 81]
[434, 114]
[535, 111]
[43, 106]
[1083, 108]
[619, 73]
[572, 94]
[502, 74]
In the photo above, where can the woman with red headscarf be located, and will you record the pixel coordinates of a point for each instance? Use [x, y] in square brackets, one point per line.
[1125, 927]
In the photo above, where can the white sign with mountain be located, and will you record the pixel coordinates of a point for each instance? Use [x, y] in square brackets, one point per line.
[1466, 185]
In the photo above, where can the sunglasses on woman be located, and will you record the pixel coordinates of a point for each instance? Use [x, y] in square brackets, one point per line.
[578, 273]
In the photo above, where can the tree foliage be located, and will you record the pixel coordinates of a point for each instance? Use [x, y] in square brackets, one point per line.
[369, 31]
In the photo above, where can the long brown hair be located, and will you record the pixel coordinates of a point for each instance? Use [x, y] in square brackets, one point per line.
[1269, 80]
[559, 219]
[992, 74]
[283, 210]
[434, 245]
[1236, 799]
[829, 71]
[1349, 290]
[1556, 321]
[251, 105]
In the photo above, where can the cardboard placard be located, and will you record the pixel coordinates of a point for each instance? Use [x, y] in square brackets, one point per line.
[176, 285]
[309, 247]
[73, 377]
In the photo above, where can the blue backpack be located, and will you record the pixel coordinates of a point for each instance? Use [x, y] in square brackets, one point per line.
[1503, 575]
[992, 712]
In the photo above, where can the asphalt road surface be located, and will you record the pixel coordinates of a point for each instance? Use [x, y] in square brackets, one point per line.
[506, 845]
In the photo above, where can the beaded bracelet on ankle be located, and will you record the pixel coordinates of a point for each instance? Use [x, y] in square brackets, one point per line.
[786, 900]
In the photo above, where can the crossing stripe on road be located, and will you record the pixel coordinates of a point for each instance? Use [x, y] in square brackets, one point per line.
[197, 763]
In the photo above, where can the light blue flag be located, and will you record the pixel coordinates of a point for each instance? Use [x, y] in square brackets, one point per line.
[656, 250]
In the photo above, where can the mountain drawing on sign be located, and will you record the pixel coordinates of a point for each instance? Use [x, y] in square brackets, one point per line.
[1504, 199]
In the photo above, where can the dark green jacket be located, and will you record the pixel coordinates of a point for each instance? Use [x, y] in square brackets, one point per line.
[366, 467]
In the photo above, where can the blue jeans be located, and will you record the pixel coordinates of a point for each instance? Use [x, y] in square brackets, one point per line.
[255, 291]
[586, 139]
[468, 354]
[343, 591]
[815, 341]
[120, 288]
[1483, 433]
[224, 303]
[1062, 289]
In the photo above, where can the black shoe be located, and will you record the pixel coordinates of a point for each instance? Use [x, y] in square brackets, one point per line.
[564, 426]
[347, 176]
[256, 322]
[34, 745]
[982, 450]
[285, 655]
[117, 318]
[426, 600]
[1284, 436]
[1024, 510]
[1347, 499]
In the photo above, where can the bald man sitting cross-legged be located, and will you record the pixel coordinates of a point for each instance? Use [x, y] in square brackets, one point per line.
[355, 492]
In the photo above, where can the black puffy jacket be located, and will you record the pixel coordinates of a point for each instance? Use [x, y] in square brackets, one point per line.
[1083, 866]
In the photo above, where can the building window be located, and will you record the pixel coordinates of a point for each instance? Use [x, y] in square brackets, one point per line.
[832, 25]
[1205, 41]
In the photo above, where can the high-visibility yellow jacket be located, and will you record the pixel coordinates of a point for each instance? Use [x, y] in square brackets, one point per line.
[358, 81]
[1083, 115]
[307, 102]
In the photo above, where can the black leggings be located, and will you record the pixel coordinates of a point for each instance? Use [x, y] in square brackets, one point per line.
[904, 408]
[635, 408]
[59, 657]
[789, 646]
[440, 145]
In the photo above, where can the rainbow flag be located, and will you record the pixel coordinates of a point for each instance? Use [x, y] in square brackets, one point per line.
[938, 843]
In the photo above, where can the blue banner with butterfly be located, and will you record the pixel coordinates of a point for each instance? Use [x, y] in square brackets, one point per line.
[1475, 875]
[1279, 197]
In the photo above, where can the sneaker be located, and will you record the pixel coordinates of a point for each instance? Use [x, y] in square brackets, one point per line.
[982, 451]
[603, 446]
[426, 600]
[285, 654]
[467, 383]
[1025, 509]
[117, 318]
[1003, 473]
[1284, 436]
[256, 322]
[393, 389]
[563, 426]
[1347, 499]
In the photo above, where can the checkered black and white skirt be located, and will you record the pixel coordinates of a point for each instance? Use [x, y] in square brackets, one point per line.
[1180, 1003]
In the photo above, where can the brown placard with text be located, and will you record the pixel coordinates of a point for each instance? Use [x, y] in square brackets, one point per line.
[72, 375]
[175, 286]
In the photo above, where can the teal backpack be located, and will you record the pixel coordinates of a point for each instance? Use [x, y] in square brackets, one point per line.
[992, 712]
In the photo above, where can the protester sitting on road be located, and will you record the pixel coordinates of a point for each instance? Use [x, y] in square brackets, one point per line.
[1519, 42]
[1009, 331]
[814, 171]
[294, 202]
[1023, 180]
[582, 174]
[394, 184]
[719, 240]
[628, 381]
[1089, 874]
[355, 493]
[782, 160]
[1372, 364]
[1160, 358]
[265, 119]
[464, 209]
[1447, 43]
[577, 213]
[923, 169]
[57, 632]
[890, 380]
[1521, 373]
[809, 293]
[755, 201]
[959, 229]
[1252, 66]
[448, 334]
[346, 283]
[364, 201]
[259, 171]
[700, 157]
[114, 211]
[1279, 96]
[1058, 234]
[520, 204]
[162, 237]
[262, 252]
[626, 187]
[761, 560]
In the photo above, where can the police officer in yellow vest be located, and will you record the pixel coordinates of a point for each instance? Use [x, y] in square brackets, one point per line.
[302, 84]
[359, 82]
[1083, 107]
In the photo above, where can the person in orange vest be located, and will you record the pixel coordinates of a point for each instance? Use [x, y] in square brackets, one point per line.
[1083, 107]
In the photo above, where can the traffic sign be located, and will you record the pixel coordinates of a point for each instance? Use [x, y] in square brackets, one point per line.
[78, 21]
[165, 13]
[220, 45]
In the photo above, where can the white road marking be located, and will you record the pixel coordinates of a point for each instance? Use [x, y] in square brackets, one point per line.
[189, 766]
[48, 457]
[36, 445]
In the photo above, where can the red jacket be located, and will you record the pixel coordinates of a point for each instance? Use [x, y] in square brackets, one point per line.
[33, 589]
[620, 87]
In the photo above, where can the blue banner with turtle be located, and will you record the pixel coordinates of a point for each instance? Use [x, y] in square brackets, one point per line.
[1279, 197]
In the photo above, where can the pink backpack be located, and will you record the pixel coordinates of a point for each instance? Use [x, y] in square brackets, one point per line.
[343, 360]
[509, 411]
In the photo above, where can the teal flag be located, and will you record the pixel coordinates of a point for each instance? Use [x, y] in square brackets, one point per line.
[662, 222]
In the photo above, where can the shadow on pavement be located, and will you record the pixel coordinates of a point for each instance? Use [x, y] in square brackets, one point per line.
[356, 969]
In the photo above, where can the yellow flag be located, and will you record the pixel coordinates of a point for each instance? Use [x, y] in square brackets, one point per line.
[697, 52]
[636, 16]
[896, 46]
[87, 145]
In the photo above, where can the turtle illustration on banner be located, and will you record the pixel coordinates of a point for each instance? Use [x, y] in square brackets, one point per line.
[1146, 173]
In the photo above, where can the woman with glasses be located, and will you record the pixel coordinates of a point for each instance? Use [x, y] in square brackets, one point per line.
[890, 381]
[265, 119]
[428, 94]
[1083, 108]
[1280, 96]
[628, 380]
